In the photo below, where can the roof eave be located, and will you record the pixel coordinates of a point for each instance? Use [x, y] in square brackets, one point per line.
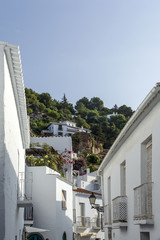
[15, 68]
[128, 127]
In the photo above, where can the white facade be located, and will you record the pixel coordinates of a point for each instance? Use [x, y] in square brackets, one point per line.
[14, 138]
[130, 176]
[89, 181]
[87, 221]
[47, 197]
[66, 128]
[58, 143]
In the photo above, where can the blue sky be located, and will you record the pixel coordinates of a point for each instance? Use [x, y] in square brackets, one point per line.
[93, 48]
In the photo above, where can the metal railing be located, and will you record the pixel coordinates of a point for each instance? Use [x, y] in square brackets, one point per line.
[107, 215]
[83, 221]
[24, 186]
[96, 222]
[143, 201]
[120, 209]
[28, 214]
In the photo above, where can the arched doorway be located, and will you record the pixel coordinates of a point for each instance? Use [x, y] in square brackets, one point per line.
[64, 236]
[35, 236]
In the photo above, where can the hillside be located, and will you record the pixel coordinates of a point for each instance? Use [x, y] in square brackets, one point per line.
[91, 114]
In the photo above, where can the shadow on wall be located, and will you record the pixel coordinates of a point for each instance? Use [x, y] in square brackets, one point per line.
[11, 215]
[57, 223]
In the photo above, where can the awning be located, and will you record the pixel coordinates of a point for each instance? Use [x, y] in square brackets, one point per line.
[35, 230]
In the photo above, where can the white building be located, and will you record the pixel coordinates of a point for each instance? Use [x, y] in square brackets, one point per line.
[87, 222]
[130, 176]
[89, 181]
[14, 139]
[66, 128]
[60, 144]
[52, 204]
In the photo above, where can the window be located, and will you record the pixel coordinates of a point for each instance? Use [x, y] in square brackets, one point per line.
[64, 199]
[82, 214]
[60, 127]
[123, 178]
[96, 186]
[144, 236]
[109, 200]
[146, 161]
[74, 215]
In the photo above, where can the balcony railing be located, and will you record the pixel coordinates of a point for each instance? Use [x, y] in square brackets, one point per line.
[83, 222]
[107, 215]
[28, 214]
[96, 223]
[120, 209]
[143, 202]
[24, 195]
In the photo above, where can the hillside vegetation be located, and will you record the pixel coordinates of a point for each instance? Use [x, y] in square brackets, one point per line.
[91, 114]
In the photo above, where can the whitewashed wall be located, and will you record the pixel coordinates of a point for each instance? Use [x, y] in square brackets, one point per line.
[47, 203]
[13, 159]
[89, 212]
[130, 151]
[58, 143]
[64, 218]
[2, 147]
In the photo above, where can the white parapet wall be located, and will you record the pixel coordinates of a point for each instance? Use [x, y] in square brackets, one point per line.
[58, 143]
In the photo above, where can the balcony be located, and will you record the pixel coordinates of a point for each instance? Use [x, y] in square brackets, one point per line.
[28, 216]
[83, 222]
[107, 215]
[143, 204]
[120, 211]
[24, 195]
[96, 223]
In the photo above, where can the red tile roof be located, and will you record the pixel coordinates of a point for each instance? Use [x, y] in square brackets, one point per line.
[81, 190]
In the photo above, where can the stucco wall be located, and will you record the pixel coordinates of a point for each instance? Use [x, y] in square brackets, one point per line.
[14, 161]
[130, 151]
[47, 203]
[64, 217]
[2, 148]
[88, 212]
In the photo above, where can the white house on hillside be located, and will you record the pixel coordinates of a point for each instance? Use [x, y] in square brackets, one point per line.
[14, 139]
[66, 128]
[130, 176]
[52, 204]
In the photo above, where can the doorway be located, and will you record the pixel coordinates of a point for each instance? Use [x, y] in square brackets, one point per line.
[35, 236]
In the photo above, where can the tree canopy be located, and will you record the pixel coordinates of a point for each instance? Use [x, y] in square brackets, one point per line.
[104, 123]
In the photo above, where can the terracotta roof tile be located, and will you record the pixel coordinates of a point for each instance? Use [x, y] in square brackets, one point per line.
[81, 190]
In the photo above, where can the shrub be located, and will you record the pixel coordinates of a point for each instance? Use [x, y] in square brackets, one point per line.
[93, 158]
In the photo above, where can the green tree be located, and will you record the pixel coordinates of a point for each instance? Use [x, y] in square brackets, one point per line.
[126, 111]
[82, 110]
[115, 109]
[92, 116]
[64, 101]
[83, 101]
[82, 123]
[46, 99]
[119, 120]
[96, 103]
